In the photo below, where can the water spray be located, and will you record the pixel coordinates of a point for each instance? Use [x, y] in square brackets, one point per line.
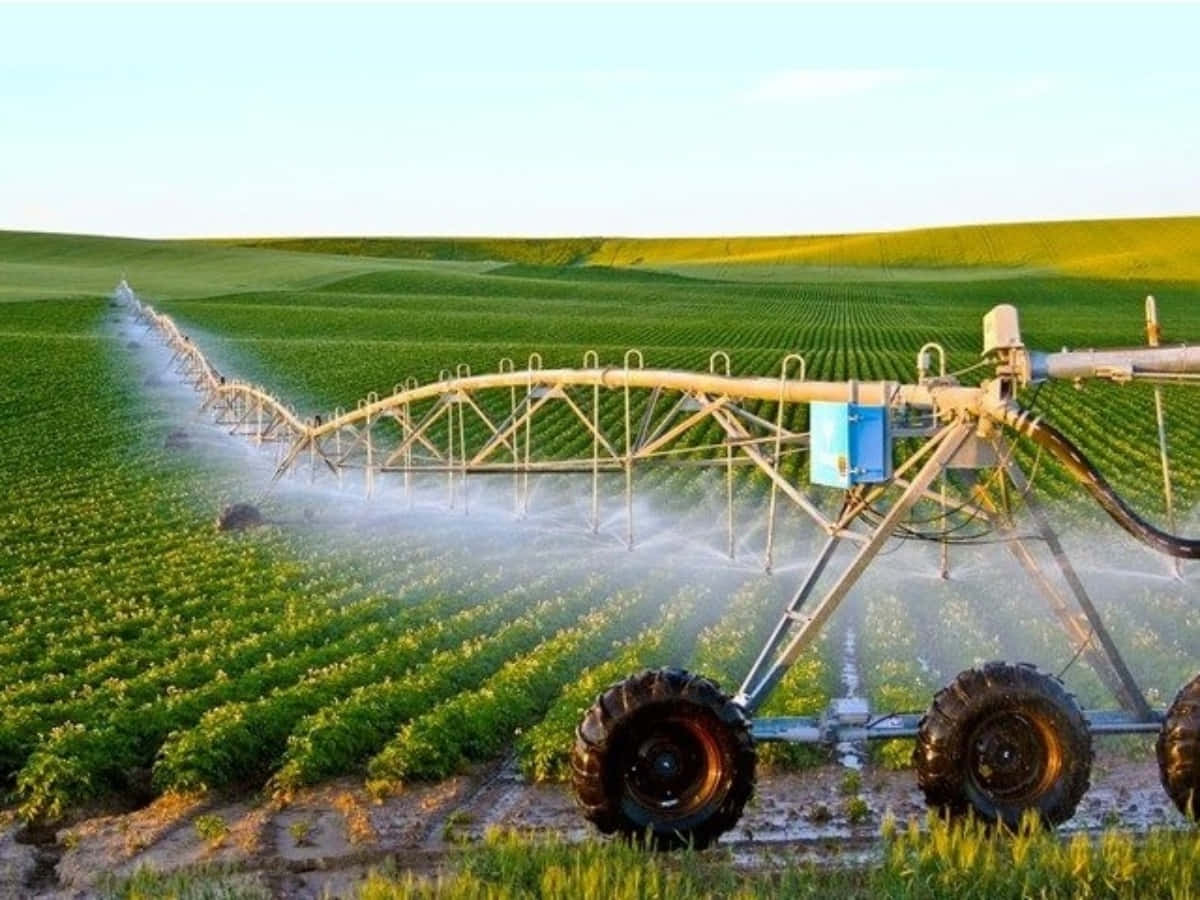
[669, 755]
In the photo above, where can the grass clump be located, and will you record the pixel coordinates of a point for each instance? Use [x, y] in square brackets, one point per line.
[211, 829]
[857, 810]
[509, 865]
[936, 860]
[203, 883]
[969, 861]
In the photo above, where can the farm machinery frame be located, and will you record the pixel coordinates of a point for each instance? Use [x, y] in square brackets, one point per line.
[668, 756]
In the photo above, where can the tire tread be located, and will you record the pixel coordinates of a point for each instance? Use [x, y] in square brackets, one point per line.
[594, 741]
[940, 751]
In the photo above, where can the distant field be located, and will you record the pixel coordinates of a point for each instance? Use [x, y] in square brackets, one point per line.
[1137, 250]
[49, 266]
[178, 658]
[1164, 249]
[1121, 249]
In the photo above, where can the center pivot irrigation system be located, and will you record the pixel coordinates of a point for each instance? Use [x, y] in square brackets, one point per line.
[666, 755]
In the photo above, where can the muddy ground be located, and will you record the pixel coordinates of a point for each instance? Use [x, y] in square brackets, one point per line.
[328, 838]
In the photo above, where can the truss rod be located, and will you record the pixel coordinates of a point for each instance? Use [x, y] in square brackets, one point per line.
[947, 446]
[1128, 692]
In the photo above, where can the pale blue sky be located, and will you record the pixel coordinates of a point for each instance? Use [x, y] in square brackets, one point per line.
[676, 119]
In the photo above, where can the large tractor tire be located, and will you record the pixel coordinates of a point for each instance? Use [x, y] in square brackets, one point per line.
[1002, 740]
[1179, 750]
[664, 757]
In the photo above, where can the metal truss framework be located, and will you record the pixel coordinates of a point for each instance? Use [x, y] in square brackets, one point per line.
[613, 419]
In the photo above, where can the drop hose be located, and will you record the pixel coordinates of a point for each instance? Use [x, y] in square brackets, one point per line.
[1065, 451]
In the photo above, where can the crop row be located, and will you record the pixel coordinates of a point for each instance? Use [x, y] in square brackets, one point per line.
[478, 724]
[234, 741]
[544, 750]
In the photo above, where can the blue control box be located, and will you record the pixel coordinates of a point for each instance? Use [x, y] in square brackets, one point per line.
[849, 444]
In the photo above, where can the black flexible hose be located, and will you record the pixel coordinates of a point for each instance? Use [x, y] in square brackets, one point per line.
[1061, 447]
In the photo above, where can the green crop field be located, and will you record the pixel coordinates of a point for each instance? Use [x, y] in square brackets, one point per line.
[144, 653]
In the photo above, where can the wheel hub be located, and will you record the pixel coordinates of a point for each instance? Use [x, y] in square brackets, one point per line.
[1010, 758]
[674, 769]
[666, 765]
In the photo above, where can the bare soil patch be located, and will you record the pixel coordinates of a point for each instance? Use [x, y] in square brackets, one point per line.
[329, 837]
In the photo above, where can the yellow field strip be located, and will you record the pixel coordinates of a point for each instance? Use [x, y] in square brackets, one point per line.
[1166, 248]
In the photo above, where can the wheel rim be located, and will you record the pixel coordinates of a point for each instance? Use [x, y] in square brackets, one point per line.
[1013, 758]
[673, 769]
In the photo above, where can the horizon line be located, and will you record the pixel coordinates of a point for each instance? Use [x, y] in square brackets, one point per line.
[428, 236]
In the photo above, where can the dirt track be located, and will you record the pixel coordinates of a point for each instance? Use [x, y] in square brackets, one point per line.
[329, 837]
